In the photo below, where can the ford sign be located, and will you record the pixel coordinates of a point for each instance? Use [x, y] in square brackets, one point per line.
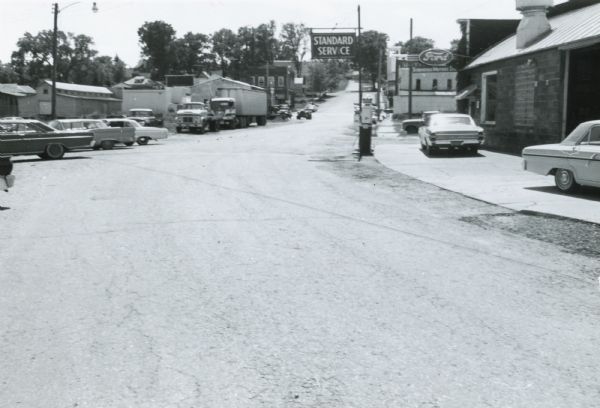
[435, 57]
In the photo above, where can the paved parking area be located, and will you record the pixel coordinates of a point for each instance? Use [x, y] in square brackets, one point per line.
[491, 177]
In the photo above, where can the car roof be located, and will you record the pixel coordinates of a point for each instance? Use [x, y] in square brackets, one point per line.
[462, 115]
[141, 109]
[77, 120]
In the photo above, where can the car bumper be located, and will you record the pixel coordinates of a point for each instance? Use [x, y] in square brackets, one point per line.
[449, 144]
[7, 182]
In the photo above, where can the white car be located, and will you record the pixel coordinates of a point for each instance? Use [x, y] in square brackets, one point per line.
[450, 131]
[143, 134]
[573, 162]
[105, 137]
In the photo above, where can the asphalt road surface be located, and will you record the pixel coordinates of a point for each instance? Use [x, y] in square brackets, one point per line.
[267, 267]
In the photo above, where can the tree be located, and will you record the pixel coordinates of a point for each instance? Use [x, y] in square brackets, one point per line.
[156, 39]
[7, 74]
[119, 73]
[293, 43]
[223, 47]
[371, 42]
[415, 46]
[192, 54]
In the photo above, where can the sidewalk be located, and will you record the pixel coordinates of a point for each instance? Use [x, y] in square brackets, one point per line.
[491, 177]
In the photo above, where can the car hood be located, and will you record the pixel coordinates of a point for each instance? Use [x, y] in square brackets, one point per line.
[547, 148]
[192, 111]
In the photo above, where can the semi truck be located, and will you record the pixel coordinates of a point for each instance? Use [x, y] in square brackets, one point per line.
[240, 106]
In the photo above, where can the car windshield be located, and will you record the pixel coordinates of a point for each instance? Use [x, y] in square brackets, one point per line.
[576, 135]
[450, 120]
[193, 106]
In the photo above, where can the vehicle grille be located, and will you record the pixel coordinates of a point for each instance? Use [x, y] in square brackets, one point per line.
[457, 135]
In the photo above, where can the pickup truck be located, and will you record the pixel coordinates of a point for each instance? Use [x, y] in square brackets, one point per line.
[105, 137]
[25, 136]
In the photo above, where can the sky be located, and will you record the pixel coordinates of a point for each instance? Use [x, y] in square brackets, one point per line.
[114, 26]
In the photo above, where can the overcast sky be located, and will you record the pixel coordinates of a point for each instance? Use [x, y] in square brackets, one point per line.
[114, 27]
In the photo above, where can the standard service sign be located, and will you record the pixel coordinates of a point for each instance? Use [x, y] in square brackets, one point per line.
[332, 45]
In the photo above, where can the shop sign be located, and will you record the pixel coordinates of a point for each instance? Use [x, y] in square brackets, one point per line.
[332, 45]
[436, 57]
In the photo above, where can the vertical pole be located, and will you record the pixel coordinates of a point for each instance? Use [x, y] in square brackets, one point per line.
[379, 82]
[410, 76]
[54, 47]
[359, 67]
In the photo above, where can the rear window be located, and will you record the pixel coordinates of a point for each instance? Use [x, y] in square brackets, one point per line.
[450, 120]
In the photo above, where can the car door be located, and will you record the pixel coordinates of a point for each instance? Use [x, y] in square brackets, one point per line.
[588, 157]
[11, 139]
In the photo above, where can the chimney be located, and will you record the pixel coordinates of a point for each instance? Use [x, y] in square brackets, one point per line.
[534, 24]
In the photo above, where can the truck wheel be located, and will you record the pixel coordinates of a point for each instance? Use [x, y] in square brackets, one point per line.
[128, 143]
[142, 141]
[53, 151]
[202, 129]
[178, 129]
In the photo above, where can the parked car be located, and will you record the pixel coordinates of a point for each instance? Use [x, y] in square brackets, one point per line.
[28, 136]
[143, 134]
[7, 180]
[145, 117]
[573, 162]
[450, 131]
[304, 113]
[105, 137]
[411, 126]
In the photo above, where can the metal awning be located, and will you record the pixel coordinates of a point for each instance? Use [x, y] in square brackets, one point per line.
[466, 92]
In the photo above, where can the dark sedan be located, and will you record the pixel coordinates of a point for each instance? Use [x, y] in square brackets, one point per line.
[24, 137]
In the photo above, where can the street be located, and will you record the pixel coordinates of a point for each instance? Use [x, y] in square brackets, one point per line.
[267, 267]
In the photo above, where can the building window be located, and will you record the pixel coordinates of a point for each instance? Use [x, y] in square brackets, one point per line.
[280, 81]
[489, 97]
[449, 85]
[418, 85]
[45, 91]
[261, 81]
[271, 82]
[252, 80]
[434, 85]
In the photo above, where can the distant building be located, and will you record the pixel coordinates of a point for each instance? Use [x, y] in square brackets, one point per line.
[72, 101]
[433, 88]
[13, 99]
[541, 82]
[280, 81]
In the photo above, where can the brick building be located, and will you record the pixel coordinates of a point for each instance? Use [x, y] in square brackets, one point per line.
[538, 84]
[280, 80]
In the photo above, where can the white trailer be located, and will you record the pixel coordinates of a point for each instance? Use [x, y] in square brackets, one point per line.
[249, 105]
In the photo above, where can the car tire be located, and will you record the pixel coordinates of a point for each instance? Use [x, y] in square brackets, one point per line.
[107, 144]
[128, 144]
[474, 150]
[565, 181]
[430, 150]
[411, 130]
[202, 129]
[53, 151]
[142, 141]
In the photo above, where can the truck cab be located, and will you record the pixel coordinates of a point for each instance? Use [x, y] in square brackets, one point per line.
[193, 117]
[224, 110]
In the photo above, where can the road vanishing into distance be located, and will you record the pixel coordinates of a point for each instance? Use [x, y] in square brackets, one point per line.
[267, 267]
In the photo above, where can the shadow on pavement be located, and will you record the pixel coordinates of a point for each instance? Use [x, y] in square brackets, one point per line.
[42, 160]
[590, 194]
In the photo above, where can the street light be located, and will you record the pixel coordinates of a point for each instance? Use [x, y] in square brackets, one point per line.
[55, 11]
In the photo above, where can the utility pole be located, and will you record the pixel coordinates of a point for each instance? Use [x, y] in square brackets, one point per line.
[54, 47]
[359, 66]
[378, 108]
[410, 76]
